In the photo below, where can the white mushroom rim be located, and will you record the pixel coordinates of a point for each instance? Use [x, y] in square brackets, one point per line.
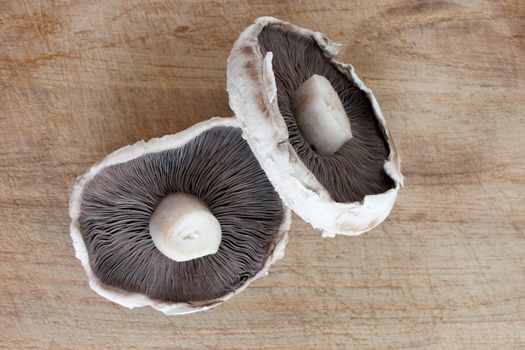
[127, 153]
[252, 93]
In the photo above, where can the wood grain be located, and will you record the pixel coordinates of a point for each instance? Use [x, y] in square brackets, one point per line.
[79, 79]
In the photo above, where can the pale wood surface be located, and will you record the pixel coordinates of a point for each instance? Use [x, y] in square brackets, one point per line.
[79, 79]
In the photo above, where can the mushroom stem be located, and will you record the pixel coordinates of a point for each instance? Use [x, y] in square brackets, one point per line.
[183, 228]
[320, 115]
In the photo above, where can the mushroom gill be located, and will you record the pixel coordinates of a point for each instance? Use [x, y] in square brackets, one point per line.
[217, 167]
[356, 169]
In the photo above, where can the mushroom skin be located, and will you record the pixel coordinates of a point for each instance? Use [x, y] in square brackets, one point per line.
[253, 97]
[137, 150]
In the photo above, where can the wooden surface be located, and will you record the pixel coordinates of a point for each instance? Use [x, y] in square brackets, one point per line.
[79, 79]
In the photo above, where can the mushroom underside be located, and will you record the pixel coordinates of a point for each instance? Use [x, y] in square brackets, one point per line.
[356, 169]
[218, 168]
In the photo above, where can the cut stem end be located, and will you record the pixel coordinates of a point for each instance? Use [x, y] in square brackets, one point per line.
[183, 228]
[321, 116]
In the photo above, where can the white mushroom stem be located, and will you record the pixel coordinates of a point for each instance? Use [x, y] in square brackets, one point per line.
[320, 115]
[183, 228]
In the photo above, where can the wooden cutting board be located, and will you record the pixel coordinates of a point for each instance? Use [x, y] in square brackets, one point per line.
[79, 79]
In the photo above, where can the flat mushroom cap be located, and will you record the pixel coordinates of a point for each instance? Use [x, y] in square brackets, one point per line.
[113, 202]
[348, 192]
